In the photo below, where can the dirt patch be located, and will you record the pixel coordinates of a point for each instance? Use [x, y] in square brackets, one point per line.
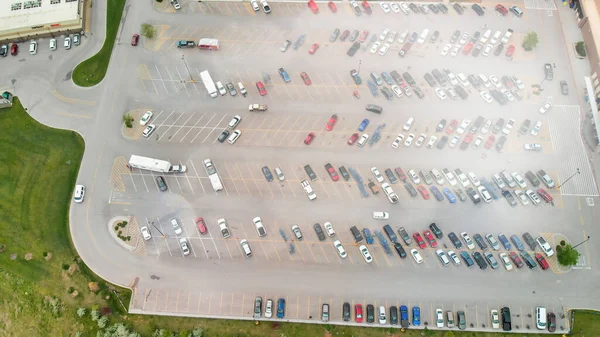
[28, 256]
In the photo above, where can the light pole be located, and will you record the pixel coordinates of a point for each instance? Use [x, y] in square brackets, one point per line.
[186, 68]
[582, 242]
[576, 172]
[359, 62]
[161, 233]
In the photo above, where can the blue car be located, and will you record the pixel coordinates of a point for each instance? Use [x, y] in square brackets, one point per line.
[413, 37]
[284, 75]
[267, 173]
[281, 308]
[505, 242]
[449, 195]
[404, 316]
[416, 316]
[438, 195]
[368, 236]
[363, 125]
[373, 88]
[468, 260]
[517, 242]
[386, 77]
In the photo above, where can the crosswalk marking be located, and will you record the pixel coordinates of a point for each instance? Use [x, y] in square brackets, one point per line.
[540, 4]
[581, 263]
[564, 122]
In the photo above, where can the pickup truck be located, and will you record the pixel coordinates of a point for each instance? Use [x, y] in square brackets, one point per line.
[185, 44]
[374, 188]
[257, 107]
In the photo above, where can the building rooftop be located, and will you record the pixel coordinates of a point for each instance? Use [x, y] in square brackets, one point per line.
[25, 14]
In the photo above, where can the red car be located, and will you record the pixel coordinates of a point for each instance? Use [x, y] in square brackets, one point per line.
[516, 259]
[313, 49]
[501, 9]
[542, 261]
[353, 139]
[510, 50]
[309, 138]
[400, 173]
[14, 49]
[331, 123]
[423, 191]
[201, 225]
[135, 39]
[468, 48]
[261, 88]
[430, 239]
[419, 240]
[313, 6]
[305, 78]
[332, 173]
[544, 195]
[363, 37]
[332, 6]
[358, 313]
[468, 138]
[367, 7]
[451, 127]
[490, 142]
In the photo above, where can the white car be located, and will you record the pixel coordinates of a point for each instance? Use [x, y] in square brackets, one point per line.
[536, 128]
[265, 7]
[420, 140]
[403, 36]
[454, 257]
[254, 4]
[67, 43]
[450, 177]
[375, 47]
[363, 139]
[440, 94]
[365, 253]
[508, 127]
[377, 174]
[329, 229]
[452, 78]
[404, 7]
[533, 147]
[176, 228]
[545, 246]
[415, 254]
[431, 142]
[454, 142]
[455, 50]
[185, 249]
[384, 34]
[439, 318]
[487, 49]
[446, 50]
[409, 139]
[545, 108]
[389, 192]
[517, 82]
[413, 175]
[395, 7]
[384, 49]
[533, 197]
[146, 118]
[495, 318]
[260, 228]
[486, 96]
[464, 38]
[397, 91]
[495, 81]
[148, 130]
[508, 95]
[146, 233]
[397, 141]
[463, 126]
[424, 9]
[506, 261]
[391, 36]
[384, 7]
[522, 197]
[381, 215]
[340, 249]
[486, 127]
[382, 318]
[477, 142]
[520, 181]
[234, 137]
[53, 44]
[485, 194]
[234, 122]
[467, 240]
[473, 178]
[221, 88]
[269, 309]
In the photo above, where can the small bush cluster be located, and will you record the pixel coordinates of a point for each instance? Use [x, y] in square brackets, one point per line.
[128, 120]
[121, 224]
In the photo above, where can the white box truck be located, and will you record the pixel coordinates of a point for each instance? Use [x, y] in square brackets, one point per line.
[156, 165]
[209, 84]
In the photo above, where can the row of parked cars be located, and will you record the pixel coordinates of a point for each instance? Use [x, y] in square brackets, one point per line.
[68, 41]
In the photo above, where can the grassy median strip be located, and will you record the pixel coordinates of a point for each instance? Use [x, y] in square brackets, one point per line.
[92, 71]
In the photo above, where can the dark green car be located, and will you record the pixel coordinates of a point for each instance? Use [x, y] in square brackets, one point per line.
[462, 320]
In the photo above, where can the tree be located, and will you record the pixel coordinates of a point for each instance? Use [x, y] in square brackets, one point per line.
[567, 255]
[531, 41]
[580, 48]
[128, 120]
[148, 31]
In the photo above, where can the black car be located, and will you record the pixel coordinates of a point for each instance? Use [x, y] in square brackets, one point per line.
[475, 36]
[479, 260]
[400, 250]
[528, 260]
[441, 125]
[409, 79]
[397, 78]
[390, 233]
[465, 256]
[480, 242]
[474, 80]
[564, 88]
[370, 313]
[393, 315]
[404, 235]
[477, 50]
[223, 136]
[529, 240]
[500, 143]
[441, 78]
[458, 8]
[433, 8]
[532, 178]
[319, 231]
[344, 173]
[525, 127]
[418, 92]
[505, 317]
[162, 185]
[499, 49]
[477, 9]
[310, 172]
[356, 234]
[411, 190]
[440, 145]
[387, 93]
[548, 71]
[355, 77]
[390, 175]
[455, 36]
[455, 241]
[551, 322]
[473, 195]
[498, 126]
[442, 8]
[430, 80]
[346, 312]
[267, 173]
[344, 35]
[499, 97]
[413, 8]
[434, 36]
[376, 108]
[510, 199]
[353, 36]
[436, 231]
[353, 49]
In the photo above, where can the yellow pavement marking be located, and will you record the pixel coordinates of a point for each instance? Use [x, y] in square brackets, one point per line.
[73, 115]
[72, 100]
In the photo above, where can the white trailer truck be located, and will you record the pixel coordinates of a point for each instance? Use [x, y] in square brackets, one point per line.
[156, 165]
[215, 180]
[209, 84]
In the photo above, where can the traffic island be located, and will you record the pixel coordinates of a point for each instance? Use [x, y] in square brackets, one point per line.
[125, 230]
[135, 131]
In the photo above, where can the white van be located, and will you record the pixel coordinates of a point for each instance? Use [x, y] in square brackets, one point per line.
[381, 215]
[32, 47]
[423, 36]
[506, 36]
[408, 124]
[495, 37]
[246, 247]
[463, 80]
[485, 81]
[540, 318]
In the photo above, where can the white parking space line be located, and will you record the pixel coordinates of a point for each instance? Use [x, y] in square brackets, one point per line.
[163, 123]
[144, 180]
[174, 124]
[232, 179]
[133, 182]
[213, 129]
[242, 179]
[189, 183]
[184, 125]
[153, 239]
[161, 79]
[187, 237]
[183, 81]
[198, 177]
[177, 180]
[172, 81]
[192, 127]
[201, 241]
[165, 235]
[215, 244]
[202, 128]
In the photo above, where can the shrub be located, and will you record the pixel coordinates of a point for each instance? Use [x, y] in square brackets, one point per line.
[71, 290]
[65, 266]
[580, 48]
[95, 315]
[197, 332]
[102, 322]
[531, 41]
[148, 31]
[128, 120]
[81, 312]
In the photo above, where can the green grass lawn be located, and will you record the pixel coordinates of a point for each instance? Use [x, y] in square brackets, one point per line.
[92, 71]
[38, 172]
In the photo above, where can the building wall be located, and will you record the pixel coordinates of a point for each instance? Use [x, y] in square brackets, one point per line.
[591, 41]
